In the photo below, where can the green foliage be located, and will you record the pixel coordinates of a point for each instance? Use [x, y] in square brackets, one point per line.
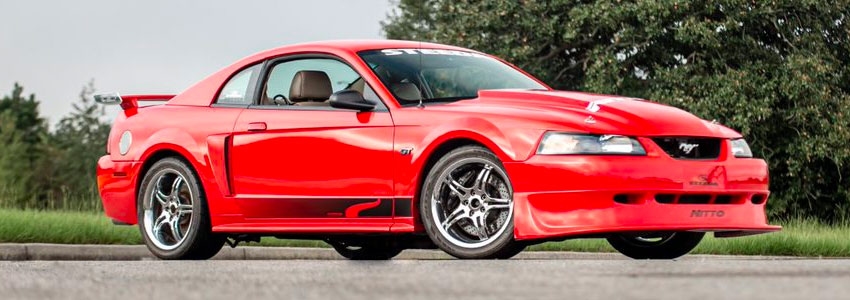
[76, 144]
[29, 226]
[22, 131]
[87, 227]
[13, 160]
[41, 169]
[24, 114]
[777, 71]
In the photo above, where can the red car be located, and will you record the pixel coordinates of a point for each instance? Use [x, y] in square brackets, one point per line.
[381, 146]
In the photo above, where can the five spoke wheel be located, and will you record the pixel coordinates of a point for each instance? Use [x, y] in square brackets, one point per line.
[479, 206]
[467, 205]
[173, 213]
[168, 213]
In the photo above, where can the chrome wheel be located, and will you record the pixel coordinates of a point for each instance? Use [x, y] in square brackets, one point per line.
[652, 239]
[472, 204]
[168, 210]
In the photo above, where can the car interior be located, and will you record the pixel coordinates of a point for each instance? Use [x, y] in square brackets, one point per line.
[314, 88]
[310, 88]
[307, 88]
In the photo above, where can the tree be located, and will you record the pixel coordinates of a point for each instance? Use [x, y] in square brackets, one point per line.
[41, 169]
[21, 132]
[29, 125]
[13, 159]
[75, 146]
[778, 71]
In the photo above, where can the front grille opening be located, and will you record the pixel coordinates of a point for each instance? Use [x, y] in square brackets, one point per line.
[627, 199]
[700, 199]
[758, 199]
[695, 199]
[723, 199]
[690, 147]
[665, 198]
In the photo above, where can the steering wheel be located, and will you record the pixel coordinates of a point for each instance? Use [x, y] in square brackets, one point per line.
[277, 100]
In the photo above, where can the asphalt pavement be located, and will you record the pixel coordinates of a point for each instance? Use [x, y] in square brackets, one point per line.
[582, 277]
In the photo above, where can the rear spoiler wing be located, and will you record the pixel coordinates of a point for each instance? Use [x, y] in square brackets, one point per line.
[129, 101]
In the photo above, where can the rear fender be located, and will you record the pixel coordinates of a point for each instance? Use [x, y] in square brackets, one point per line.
[195, 154]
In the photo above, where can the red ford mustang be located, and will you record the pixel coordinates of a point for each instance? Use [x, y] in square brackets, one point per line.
[381, 146]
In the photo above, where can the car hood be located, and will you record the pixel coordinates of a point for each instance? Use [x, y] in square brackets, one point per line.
[593, 113]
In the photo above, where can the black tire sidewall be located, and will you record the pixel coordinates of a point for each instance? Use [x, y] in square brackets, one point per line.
[198, 207]
[376, 250]
[678, 245]
[367, 253]
[496, 249]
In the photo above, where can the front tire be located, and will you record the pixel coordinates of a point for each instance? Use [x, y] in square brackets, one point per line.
[466, 205]
[173, 214]
[660, 245]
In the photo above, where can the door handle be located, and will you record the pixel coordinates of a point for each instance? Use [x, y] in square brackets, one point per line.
[256, 126]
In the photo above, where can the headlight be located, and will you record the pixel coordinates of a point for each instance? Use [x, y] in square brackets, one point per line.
[740, 148]
[567, 143]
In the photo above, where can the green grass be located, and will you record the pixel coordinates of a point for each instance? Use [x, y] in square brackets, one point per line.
[64, 227]
[19, 226]
[798, 238]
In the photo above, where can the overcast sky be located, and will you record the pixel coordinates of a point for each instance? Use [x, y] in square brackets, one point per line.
[53, 48]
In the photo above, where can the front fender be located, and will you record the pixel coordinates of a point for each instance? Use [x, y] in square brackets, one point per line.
[508, 144]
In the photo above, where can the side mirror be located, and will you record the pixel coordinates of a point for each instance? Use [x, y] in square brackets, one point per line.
[350, 99]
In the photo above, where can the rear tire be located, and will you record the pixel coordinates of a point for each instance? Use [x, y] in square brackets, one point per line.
[466, 205]
[512, 250]
[173, 215]
[373, 250]
[668, 245]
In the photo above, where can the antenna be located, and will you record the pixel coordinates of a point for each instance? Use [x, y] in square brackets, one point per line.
[421, 19]
[421, 104]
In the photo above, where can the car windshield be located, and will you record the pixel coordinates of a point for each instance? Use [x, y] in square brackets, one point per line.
[433, 75]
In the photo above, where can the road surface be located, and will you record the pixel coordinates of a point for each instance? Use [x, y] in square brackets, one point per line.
[600, 278]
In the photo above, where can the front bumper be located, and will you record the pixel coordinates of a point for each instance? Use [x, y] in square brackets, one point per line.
[561, 196]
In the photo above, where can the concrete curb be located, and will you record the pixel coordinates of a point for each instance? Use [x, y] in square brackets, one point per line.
[23, 252]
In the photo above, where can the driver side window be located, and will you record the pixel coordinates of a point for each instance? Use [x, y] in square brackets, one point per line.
[310, 82]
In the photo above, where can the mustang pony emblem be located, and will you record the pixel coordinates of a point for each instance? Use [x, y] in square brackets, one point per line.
[687, 148]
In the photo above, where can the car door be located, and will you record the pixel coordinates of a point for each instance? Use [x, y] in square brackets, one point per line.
[294, 156]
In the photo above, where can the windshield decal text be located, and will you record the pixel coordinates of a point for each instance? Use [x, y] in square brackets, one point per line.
[393, 52]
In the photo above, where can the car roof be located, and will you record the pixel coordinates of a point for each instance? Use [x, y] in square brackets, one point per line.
[203, 92]
[360, 45]
[355, 46]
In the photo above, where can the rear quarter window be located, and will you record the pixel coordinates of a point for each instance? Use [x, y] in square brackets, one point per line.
[237, 89]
